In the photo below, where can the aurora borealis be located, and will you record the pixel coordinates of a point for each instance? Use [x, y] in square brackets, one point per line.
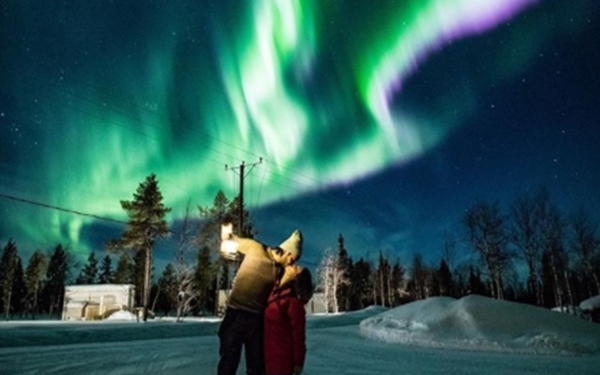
[379, 119]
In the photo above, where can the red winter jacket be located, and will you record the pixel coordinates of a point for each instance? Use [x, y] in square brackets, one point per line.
[285, 326]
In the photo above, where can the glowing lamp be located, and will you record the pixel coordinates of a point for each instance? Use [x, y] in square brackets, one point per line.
[229, 248]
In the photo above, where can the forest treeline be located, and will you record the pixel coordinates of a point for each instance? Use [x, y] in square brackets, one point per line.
[531, 253]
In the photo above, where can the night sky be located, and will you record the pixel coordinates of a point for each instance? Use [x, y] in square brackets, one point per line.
[380, 120]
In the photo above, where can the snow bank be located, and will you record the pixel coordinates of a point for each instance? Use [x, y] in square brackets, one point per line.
[483, 324]
[590, 304]
[352, 318]
[122, 315]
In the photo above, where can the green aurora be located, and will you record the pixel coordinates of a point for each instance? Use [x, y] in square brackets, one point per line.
[97, 95]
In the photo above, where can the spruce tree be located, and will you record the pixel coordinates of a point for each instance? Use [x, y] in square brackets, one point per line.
[106, 273]
[361, 286]
[57, 275]
[476, 286]
[138, 276]
[34, 279]
[344, 265]
[19, 289]
[124, 270]
[89, 273]
[209, 236]
[445, 278]
[146, 225]
[397, 282]
[204, 280]
[8, 271]
[167, 289]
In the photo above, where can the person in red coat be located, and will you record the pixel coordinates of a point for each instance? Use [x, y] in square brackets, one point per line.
[285, 323]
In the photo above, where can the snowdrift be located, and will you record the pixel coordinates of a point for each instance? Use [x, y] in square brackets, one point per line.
[477, 323]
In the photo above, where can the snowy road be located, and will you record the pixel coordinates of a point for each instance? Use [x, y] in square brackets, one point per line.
[335, 344]
[338, 350]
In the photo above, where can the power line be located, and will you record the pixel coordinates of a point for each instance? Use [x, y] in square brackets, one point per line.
[49, 206]
[242, 175]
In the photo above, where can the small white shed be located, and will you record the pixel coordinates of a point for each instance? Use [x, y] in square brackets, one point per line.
[591, 306]
[98, 301]
[317, 304]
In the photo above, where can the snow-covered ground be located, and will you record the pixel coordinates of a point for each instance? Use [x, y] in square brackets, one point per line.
[473, 335]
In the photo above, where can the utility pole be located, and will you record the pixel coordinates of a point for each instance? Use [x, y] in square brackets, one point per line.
[242, 174]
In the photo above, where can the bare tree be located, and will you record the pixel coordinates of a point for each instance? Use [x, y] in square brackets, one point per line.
[486, 234]
[557, 259]
[185, 266]
[586, 245]
[329, 276]
[529, 218]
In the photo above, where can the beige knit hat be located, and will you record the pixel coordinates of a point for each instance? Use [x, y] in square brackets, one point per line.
[293, 244]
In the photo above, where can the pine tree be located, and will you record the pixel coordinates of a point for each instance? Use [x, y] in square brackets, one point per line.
[89, 273]
[221, 211]
[397, 283]
[213, 217]
[344, 282]
[476, 286]
[106, 273]
[204, 279]
[361, 287]
[34, 278]
[146, 225]
[383, 281]
[445, 278]
[138, 276]
[19, 290]
[419, 284]
[57, 275]
[234, 212]
[167, 289]
[124, 270]
[8, 271]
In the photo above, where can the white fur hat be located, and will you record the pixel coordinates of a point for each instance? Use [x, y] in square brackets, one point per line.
[293, 244]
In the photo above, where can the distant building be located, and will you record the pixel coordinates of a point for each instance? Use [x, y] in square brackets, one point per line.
[317, 304]
[591, 306]
[97, 302]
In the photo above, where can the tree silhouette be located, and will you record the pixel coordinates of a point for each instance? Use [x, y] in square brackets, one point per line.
[486, 232]
[106, 273]
[89, 273]
[146, 225]
[57, 274]
[34, 278]
[8, 274]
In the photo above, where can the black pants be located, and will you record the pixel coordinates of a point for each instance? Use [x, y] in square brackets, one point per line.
[240, 328]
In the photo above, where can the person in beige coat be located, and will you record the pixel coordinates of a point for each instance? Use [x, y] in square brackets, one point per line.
[242, 325]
